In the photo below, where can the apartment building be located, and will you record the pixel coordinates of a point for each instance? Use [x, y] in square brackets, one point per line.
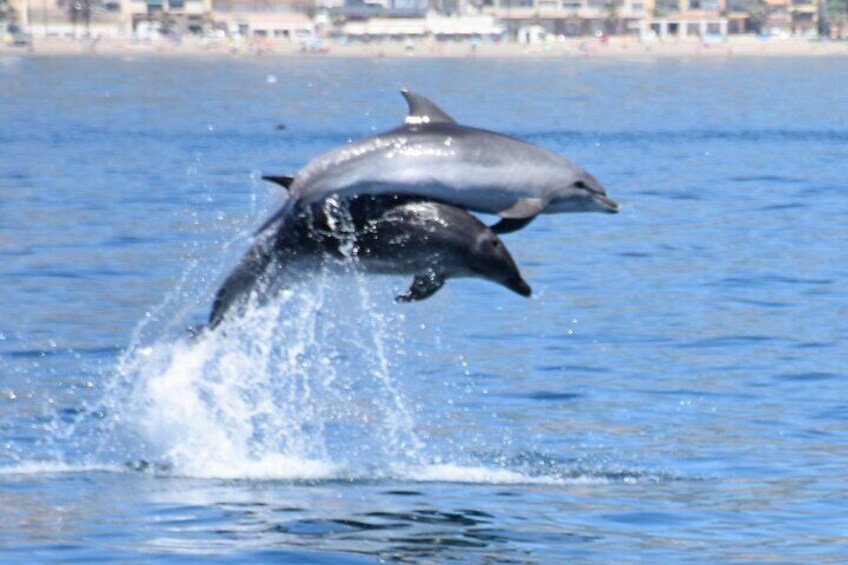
[689, 19]
[184, 15]
[569, 17]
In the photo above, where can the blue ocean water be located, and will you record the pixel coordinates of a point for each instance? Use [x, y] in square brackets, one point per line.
[675, 390]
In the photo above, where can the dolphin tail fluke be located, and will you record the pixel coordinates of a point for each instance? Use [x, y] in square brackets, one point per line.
[248, 277]
[423, 286]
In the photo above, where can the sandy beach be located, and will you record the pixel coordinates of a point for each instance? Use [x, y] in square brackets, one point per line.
[614, 48]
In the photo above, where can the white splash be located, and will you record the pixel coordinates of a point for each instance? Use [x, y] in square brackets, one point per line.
[302, 388]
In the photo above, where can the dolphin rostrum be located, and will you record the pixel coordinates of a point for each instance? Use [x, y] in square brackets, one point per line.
[433, 157]
[382, 234]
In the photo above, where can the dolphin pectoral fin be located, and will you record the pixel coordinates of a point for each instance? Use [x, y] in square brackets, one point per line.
[422, 111]
[284, 181]
[423, 286]
[509, 225]
[524, 208]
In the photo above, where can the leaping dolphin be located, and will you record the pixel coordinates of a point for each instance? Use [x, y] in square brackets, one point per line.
[382, 234]
[433, 157]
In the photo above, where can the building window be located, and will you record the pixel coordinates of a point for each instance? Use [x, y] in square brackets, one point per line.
[667, 7]
[176, 4]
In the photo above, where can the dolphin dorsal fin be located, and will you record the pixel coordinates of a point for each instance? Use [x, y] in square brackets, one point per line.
[422, 111]
[283, 181]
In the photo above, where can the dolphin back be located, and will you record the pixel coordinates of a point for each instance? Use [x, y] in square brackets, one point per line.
[467, 167]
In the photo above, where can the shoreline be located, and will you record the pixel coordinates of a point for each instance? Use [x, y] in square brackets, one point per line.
[616, 48]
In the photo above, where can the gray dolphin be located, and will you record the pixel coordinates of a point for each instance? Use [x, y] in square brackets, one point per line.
[381, 234]
[433, 157]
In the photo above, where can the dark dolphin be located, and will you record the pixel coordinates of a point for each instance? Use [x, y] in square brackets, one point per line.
[378, 234]
[433, 157]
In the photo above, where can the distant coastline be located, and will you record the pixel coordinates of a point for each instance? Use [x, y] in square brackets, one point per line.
[576, 48]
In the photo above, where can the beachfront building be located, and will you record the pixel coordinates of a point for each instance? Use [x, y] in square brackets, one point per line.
[774, 17]
[366, 9]
[568, 17]
[434, 25]
[704, 20]
[261, 19]
[804, 16]
[146, 18]
[266, 19]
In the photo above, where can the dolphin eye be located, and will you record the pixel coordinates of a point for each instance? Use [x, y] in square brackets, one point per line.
[582, 185]
[496, 243]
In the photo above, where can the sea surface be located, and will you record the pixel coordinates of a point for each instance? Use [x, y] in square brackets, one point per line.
[675, 391]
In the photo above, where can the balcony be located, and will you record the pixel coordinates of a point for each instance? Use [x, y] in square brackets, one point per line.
[704, 5]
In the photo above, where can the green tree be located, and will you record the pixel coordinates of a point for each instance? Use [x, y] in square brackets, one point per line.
[836, 14]
[759, 12]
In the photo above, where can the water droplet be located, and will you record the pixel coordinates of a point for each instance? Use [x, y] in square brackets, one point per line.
[210, 127]
[271, 79]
